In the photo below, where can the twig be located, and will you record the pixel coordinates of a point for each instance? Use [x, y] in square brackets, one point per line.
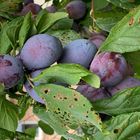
[92, 11]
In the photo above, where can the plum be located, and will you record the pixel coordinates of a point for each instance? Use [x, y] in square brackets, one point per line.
[110, 67]
[40, 51]
[76, 9]
[29, 88]
[97, 39]
[35, 74]
[80, 51]
[128, 82]
[51, 9]
[33, 93]
[31, 7]
[91, 93]
[11, 71]
[28, 1]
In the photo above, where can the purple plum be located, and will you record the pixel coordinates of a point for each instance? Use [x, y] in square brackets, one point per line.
[40, 51]
[80, 51]
[11, 71]
[110, 67]
[76, 9]
[29, 88]
[51, 9]
[33, 93]
[91, 93]
[97, 39]
[31, 7]
[128, 82]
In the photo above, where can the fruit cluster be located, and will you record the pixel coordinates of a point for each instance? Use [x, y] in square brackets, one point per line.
[42, 50]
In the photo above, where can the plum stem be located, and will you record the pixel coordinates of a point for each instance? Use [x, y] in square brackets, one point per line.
[31, 84]
[92, 11]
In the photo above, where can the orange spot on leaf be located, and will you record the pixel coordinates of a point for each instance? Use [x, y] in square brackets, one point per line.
[131, 21]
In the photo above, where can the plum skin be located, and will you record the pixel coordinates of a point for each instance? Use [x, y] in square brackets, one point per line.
[51, 9]
[92, 94]
[31, 7]
[40, 51]
[11, 71]
[76, 9]
[110, 67]
[97, 39]
[80, 51]
[128, 82]
[30, 90]
[33, 93]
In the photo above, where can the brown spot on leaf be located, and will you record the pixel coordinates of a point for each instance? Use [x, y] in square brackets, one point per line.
[59, 97]
[131, 21]
[71, 106]
[43, 98]
[75, 99]
[65, 98]
[46, 91]
[116, 131]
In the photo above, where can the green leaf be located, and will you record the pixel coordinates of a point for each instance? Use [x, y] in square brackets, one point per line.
[5, 15]
[45, 20]
[25, 29]
[5, 44]
[134, 59]
[125, 101]
[23, 104]
[99, 4]
[23, 136]
[69, 107]
[76, 108]
[1, 88]
[107, 18]
[107, 23]
[6, 135]
[9, 35]
[121, 127]
[136, 137]
[63, 24]
[65, 36]
[46, 128]
[13, 31]
[62, 138]
[54, 122]
[125, 4]
[10, 6]
[70, 74]
[124, 37]
[31, 131]
[8, 115]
